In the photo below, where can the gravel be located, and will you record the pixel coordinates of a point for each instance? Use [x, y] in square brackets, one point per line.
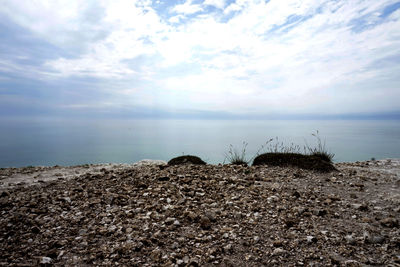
[191, 215]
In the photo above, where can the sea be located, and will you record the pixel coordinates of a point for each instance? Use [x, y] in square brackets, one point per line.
[64, 142]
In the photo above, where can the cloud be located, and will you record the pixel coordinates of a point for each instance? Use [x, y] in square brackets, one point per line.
[187, 8]
[176, 19]
[216, 3]
[67, 24]
[249, 56]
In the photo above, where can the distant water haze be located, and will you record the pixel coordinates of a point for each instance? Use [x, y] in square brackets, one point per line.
[48, 142]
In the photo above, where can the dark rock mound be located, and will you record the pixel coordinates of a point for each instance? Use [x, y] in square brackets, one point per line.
[187, 159]
[308, 162]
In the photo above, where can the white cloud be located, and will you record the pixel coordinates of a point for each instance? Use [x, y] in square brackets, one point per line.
[232, 7]
[187, 8]
[62, 23]
[89, 66]
[266, 56]
[176, 19]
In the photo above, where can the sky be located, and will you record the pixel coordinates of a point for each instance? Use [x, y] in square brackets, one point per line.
[199, 58]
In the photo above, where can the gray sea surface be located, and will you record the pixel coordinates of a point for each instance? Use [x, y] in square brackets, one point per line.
[48, 142]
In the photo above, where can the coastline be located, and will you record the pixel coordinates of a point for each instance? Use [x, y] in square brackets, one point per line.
[26, 176]
[147, 214]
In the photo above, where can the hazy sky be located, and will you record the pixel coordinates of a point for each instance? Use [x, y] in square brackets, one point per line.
[145, 58]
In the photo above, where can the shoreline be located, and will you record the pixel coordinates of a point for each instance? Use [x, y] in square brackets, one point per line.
[26, 176]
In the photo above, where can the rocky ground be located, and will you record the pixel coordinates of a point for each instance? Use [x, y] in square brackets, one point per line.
[188, 215]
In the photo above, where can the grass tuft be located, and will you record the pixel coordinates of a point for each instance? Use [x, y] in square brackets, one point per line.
[277, 152]
[319, 150]
[237, 157]
[307, 162]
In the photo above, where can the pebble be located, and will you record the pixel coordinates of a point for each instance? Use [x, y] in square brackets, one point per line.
[228, 248]
[278, 251]
[350, 239]
[390, 222]
[311, 239]
[45, 260]
[169, 221]
[205, 223]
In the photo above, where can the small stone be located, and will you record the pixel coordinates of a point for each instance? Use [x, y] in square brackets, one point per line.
[397, 259]
[320, 212]
[296, 194]
[82, 232]
[389, 222]
[205, 223]
[311, 239]
[45, 260]
[112, 228]
[395, 242]
[228, 248]
[336, 258]
[277, 243]
[60, 254]
[194, 262]
[169, 221]
[5, 194]
[373, 239]
[289, 222]
[350, 239]
[175, 245]
[211, 215]
[186, 259]
[192, 216]
[237, 215]
[35, 230]
[351, 263]
[278, 251]
[361, 207]
[272, 198]
[155, 255]
[377, 239]
[163, 178]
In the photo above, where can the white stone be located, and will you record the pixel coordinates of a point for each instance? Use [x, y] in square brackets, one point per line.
[45, 260]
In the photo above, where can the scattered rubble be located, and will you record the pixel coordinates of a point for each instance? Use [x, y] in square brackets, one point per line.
[195, 215]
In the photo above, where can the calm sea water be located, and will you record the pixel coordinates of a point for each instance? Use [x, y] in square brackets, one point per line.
[67, 142]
